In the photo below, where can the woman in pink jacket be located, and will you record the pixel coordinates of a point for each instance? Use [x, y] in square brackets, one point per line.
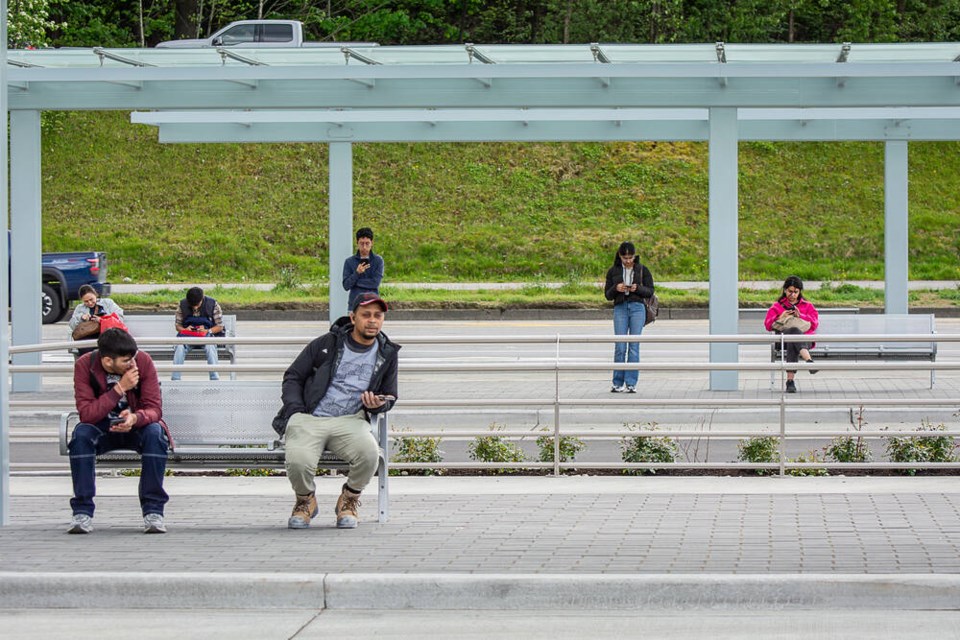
[793, 304]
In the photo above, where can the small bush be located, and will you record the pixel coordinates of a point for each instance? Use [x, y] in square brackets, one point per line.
[647, 449]
[760, 449]
[810, 456]
[922, 449]
[416, 450]
[569, 448]
[495, 449]
[849, 449]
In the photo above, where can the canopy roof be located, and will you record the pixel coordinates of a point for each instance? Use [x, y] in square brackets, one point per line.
[489, 76]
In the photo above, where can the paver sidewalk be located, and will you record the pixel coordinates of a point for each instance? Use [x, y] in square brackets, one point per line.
[523, 525]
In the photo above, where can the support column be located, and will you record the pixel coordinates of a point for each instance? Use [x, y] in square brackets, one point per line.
[4, 286]
[25, 246]
[724, 268]
[341, 222]
[896, 236]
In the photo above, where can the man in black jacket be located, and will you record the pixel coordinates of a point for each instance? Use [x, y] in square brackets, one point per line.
[329, 392]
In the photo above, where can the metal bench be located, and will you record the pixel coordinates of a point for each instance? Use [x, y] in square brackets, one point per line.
[226, 424]
[872, 324]
[163, 327]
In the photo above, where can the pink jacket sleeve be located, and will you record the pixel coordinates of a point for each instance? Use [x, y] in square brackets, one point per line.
[809, 313]
[772, 314]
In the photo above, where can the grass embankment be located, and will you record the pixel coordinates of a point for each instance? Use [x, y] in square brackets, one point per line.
[483, 212]
[570, 296]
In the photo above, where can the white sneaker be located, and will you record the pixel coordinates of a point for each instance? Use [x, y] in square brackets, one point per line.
[631, 389]
[80, 523]
[153, 523]
[621, 389]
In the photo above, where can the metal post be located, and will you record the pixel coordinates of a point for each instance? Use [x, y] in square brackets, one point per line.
[895, 226]
[4, 286]
[783, 434]
[341, 223]
[556, 412]
[724, 270]
[25, 245]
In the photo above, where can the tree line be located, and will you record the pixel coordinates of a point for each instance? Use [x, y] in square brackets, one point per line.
[132, 23]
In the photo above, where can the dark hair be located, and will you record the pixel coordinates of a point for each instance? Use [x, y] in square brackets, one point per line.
[626, 249]
[793, 281]
[194, 296]
[365, 232]
[116, 343]
[85, 289]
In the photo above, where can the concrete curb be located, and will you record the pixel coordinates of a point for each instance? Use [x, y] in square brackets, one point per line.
[479, 591]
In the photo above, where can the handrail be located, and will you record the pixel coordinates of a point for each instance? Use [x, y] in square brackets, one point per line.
[557, 365]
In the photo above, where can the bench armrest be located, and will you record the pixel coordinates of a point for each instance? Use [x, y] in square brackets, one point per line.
[64, 424]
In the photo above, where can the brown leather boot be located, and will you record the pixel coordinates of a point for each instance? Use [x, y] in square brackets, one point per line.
[303, 511]
[348, 506]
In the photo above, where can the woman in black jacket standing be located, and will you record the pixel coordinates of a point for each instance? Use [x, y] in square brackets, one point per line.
[628, 283]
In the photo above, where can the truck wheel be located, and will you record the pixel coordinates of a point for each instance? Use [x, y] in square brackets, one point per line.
[51, 307]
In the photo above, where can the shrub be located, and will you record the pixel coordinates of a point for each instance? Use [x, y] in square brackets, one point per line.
[647, 449]
[849, 449]
[922, 449]
[810, 456]
[569, 448]
[495, 449]
[759, 449]
[415, 450]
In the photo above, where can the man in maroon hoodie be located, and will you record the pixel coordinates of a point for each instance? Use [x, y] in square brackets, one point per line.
[118, 397]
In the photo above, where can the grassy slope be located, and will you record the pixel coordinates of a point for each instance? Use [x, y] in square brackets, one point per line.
[482, 211]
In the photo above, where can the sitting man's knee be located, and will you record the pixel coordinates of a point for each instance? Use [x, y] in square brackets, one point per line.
[84, 435]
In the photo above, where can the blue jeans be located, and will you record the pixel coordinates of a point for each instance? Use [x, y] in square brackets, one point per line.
[180, 356]
[90, 440]
[628, 319]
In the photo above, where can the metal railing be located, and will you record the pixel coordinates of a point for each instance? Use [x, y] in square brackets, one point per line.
[556, 365]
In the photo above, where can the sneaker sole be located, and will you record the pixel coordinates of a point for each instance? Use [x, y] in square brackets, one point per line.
[155, 530]
[79, 529]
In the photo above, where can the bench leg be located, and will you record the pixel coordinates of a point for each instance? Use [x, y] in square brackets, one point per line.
[383, 492]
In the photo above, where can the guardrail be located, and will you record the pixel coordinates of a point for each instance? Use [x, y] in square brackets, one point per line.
[558, 365]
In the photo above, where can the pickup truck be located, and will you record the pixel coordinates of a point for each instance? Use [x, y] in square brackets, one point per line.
[257, 34]
[62, 275]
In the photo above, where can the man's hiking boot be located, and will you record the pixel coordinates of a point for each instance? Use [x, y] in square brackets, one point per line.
[304, 511]
[348, 504]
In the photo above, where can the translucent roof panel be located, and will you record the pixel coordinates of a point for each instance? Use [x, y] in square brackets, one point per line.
[614, 54]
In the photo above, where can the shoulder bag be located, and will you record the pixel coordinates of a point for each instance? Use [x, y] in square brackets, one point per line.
[790, 322]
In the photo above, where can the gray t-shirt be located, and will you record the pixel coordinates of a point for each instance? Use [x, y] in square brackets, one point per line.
[351, 378]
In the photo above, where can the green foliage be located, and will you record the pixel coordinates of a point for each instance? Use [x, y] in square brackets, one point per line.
[495, 449]
[254, 472]
[758, 450]
[28, 22]
[569, 448]
[467, 212]
[922, 449]
[849, 449]
[810, 456]
[417, 450]
[647, 449]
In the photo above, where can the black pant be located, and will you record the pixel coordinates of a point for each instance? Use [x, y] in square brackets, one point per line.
[792, 349]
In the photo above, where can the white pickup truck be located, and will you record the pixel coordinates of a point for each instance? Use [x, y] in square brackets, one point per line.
[257, 34]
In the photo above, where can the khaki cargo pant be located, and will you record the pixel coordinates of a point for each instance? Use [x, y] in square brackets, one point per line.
[348, 437]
